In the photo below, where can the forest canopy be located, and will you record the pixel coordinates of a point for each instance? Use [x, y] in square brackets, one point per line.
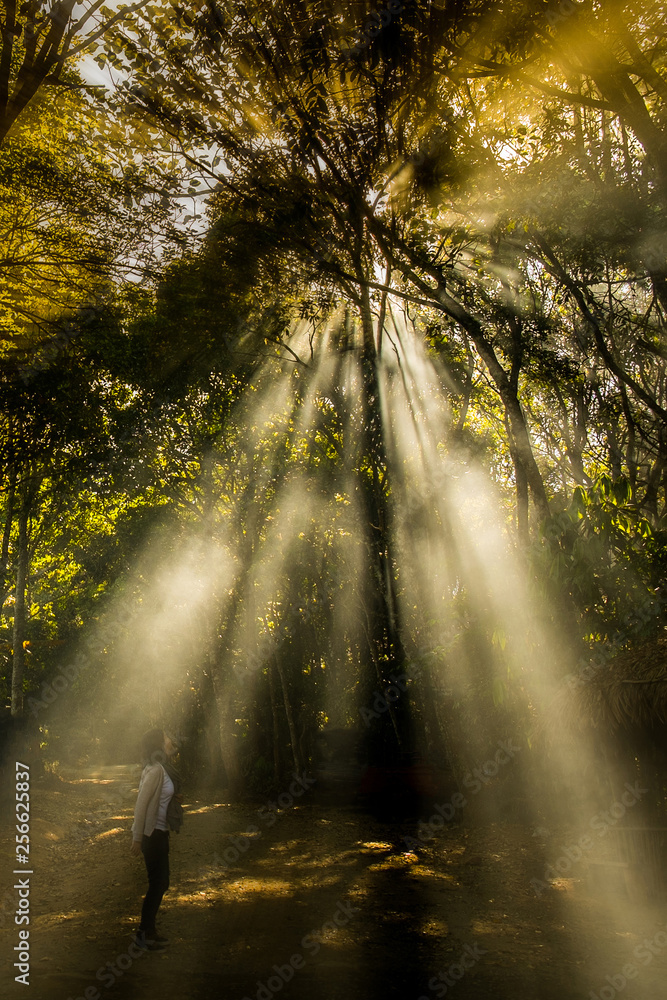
[332, 350]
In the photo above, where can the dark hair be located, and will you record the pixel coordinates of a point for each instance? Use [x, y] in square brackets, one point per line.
[152, 747]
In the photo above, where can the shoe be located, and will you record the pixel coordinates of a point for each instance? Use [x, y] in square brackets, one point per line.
[149, 943]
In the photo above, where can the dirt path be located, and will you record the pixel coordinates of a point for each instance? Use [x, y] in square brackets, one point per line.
[313, 901]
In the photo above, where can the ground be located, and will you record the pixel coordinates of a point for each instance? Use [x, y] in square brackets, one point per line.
[316, 900]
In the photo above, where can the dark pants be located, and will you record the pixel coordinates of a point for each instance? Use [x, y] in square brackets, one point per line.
[156, 855]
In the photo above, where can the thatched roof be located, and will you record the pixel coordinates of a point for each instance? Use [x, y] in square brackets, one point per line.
[628, 692]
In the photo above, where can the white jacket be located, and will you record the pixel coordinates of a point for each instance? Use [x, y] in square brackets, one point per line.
[148, 801]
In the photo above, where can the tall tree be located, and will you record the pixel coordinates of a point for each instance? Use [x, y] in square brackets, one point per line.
[38, 39]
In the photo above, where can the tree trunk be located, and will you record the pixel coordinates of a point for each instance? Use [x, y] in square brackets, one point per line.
[225, 696]
[212, 726]
[294, 739]
[521, 485]
[6, 534]
[390, 736]
[276, 724]
[19, 606]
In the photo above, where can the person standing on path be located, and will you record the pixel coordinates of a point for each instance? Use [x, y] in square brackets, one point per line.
[158, 807]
